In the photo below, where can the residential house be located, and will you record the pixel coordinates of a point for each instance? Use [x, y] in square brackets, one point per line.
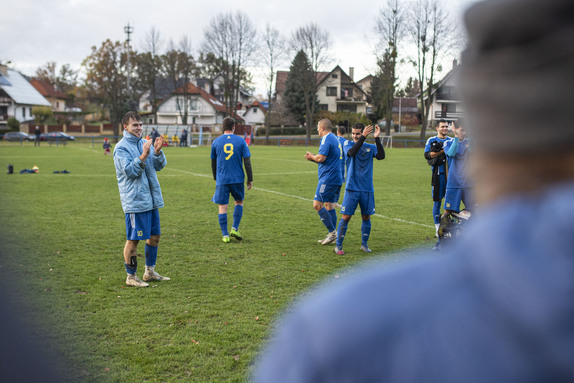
[446, 102]
[254, 114]
[336, 91]
[17, 97]
[365, 83]
[56, 98]
[164, 88]
[202, 108]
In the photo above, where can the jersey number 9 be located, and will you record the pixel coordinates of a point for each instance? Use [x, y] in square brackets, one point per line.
[228, 149]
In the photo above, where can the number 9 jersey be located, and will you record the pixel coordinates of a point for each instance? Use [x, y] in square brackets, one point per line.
[229, 151]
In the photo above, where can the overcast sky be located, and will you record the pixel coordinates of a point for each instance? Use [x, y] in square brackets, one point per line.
[34, 32]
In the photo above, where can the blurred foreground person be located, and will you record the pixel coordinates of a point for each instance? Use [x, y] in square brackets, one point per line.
[497, 305]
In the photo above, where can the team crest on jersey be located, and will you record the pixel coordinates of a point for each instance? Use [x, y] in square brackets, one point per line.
[368, 150]
[342, 208]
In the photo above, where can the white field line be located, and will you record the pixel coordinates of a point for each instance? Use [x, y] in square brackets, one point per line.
[310, 200]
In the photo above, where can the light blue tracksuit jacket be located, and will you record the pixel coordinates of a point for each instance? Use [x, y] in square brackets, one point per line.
[138, 184]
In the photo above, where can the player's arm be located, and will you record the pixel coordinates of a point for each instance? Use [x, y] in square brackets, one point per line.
[132, 167]
[214, 168]
[453, 148]
[355, 149]
[380, 150]
[248, 171]
[315, 158]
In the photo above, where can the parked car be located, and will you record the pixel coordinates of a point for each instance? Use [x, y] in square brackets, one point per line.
[56, 136]
[18, 136]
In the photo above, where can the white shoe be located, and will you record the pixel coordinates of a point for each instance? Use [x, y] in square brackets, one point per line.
[133, 280]
[331, 237]
[365, 248]
[152, 275]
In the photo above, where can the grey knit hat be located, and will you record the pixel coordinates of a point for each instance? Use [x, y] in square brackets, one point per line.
[517, 75]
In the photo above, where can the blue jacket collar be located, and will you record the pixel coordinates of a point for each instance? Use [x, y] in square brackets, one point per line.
[130, 137]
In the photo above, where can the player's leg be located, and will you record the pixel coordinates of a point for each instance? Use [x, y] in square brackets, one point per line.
[367, 203]
[437, 201]
[350, 202]
[238, 193]
[151, 248]
[319, 206]
[331, 207]
[221, 197]
[328, 196]
[137, 228]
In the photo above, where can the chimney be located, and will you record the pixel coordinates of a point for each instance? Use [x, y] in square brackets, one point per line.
[352, 73]
[3, 70]
[454, 63]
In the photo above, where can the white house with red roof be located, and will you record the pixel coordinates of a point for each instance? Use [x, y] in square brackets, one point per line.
[202, 108]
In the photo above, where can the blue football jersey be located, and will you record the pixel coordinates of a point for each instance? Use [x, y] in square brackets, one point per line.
[229, 151]
[457, 172]
[330, 169]
[360, 167]
[342, 141]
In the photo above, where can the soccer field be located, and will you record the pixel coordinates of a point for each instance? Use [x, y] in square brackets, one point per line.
[63, 237]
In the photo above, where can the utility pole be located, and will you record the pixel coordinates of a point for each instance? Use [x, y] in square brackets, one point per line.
[128, 29]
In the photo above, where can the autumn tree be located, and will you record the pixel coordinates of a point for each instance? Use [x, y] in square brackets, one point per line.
[63, 80]
[273, 54]
[299, 89]
[314, 42]
[231, 39]
[106, 79]
[430, 30]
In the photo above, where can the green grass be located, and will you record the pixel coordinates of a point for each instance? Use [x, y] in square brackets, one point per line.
[63, 236]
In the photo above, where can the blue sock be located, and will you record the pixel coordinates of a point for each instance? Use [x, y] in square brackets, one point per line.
[150, 255]
[365, 231]
[326, 219]
[129, 269]
[333, 214]
[341, 231]
[436, 212]
[237, 214]
[223, 223]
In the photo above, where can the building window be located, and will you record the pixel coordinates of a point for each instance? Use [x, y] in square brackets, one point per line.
[346, 92]
[254, 110]
[30, 114]
[322, 107]
[334, 76]
[347, 108]
[332, 91]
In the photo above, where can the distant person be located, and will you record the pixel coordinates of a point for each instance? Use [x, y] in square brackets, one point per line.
[175, 140]
[154, 135]
[136, 166]
[342, 140]
[497, 305]
[458, 185]
[107, 147]
[183, 138]
[37, 134]
[436, 157]
[359, 190]
[229, 153]
[330, 179]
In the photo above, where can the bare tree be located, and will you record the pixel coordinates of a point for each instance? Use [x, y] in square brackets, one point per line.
[389, 31]
[430, 30]
[148, 66]
[232, 39]
[315, 43]
[274, 53]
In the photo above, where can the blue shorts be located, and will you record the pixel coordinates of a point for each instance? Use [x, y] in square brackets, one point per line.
[221, 196]
[142, 225]
[327, 193]
[441, 186]
[353, 198]
[454, 197]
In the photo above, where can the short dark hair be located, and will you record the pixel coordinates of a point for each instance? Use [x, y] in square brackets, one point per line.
[341, 130]
[358, 125]
[441, 121]
[228, 124]
[131, 115]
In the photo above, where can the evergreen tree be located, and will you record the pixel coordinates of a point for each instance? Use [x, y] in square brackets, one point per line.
[298, 87]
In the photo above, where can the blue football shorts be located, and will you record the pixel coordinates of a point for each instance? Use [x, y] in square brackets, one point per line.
[454, 197]
[142, 225]
[362, 198]
[221, 196]
[327, 193]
